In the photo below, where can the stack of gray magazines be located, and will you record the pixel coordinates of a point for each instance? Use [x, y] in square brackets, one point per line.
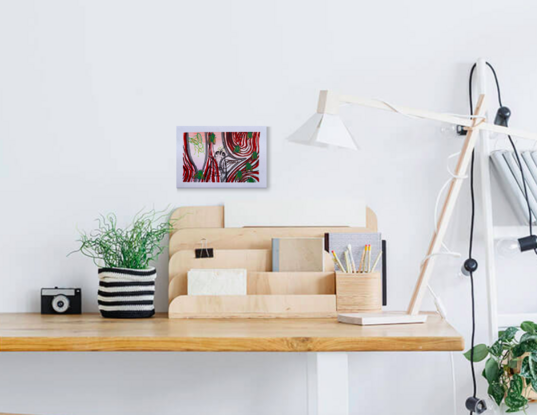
[505, 163]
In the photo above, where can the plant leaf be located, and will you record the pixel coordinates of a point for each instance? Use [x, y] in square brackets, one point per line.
[515, 403]
[517, 351]
[496, 391]
[513, 363]
[533, 383]
[496, 349]
[529, 327]
[529, 345]
[514, 399]
[237, 149]
[516, 385]
[250, 135]
[525, 370]
[239, 174]
[254, 155]
[527, 336]
[508, 334]
[480, 352]
[492, 370]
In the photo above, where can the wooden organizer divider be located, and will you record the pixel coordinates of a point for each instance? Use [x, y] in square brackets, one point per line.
[270, 294]
[188, 217]
[253, 306]
[291, 283]
[253, 260]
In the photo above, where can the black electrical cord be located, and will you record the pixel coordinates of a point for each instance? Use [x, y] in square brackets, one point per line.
[471, 245]
[472, 223]
[472, 218]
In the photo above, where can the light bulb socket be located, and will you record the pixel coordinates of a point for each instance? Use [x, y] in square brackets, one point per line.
[502, 116]
[476, 405]
[469, 266]
[528, 243]
[461, 130]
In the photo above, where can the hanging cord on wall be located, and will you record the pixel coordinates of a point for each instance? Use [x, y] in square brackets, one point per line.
[472, 219]
[472, 225]
[471, 237]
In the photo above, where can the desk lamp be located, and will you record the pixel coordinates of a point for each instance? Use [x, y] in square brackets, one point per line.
[326, 128]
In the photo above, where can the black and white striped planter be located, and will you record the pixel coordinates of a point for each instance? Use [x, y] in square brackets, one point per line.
[127, 293]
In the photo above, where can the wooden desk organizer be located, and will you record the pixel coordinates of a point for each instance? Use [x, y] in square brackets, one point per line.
[270, 294]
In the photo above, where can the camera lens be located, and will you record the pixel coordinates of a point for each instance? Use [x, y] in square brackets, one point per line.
[60, 304]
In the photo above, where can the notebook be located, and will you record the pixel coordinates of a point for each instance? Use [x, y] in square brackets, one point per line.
[297, 254]
[338, 243]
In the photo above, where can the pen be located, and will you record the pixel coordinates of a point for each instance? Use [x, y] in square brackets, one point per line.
[376, 261]
[349, 247]
[338, 262]
[347, 261]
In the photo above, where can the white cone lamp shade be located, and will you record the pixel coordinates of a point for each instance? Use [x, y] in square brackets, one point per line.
[325, 128]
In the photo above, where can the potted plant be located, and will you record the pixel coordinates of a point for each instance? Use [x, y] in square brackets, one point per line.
[511, 367]
[124, 255]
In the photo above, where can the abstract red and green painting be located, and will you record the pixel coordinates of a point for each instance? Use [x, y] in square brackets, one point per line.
[222, 157]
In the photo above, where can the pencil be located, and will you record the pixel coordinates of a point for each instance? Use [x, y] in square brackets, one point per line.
[349, 247]
[339, 264]
[369, 259]
[360, 269]
[376, 261]
[334, 259]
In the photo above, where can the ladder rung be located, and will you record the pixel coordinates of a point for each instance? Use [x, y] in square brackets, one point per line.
[510, 231]
[508, 320]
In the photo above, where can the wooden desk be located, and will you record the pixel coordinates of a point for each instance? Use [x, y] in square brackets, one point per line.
[328, 387]
[90, 332]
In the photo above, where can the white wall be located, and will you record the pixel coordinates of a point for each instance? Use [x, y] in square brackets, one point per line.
[90, 95]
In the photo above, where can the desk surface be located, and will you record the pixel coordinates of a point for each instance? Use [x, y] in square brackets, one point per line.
[91, 332]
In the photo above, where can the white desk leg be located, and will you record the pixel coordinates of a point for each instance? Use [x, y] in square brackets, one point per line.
[328, 383]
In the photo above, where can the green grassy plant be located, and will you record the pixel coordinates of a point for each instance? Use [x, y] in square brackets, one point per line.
[134, 247]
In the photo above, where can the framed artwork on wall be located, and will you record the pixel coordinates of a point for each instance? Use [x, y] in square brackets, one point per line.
[219, 157]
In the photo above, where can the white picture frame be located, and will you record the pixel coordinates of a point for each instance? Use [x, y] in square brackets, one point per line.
[205, 158]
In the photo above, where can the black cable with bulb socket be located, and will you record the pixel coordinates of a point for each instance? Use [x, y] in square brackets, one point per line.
[471, 401]
[474, 404]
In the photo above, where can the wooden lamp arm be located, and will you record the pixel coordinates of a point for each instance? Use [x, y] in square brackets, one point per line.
[329, 103]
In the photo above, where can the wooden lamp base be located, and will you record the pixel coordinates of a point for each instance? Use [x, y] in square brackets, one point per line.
[374, 319]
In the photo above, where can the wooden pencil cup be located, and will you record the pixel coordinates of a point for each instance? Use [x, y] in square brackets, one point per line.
[359, 293]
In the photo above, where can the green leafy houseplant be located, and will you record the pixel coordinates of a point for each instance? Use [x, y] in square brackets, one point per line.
[511, 367]
[133, 247]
